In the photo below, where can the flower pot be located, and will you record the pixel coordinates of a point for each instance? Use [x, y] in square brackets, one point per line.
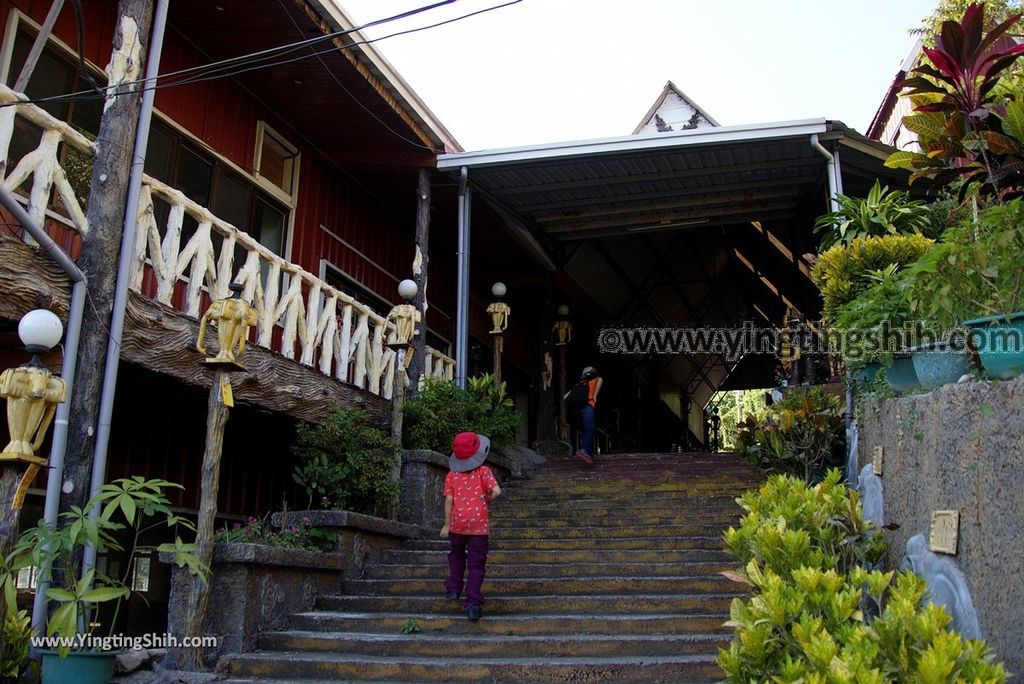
[938, 364]
[901, 376]
[867, 373]
[79, 667]
[999, 341]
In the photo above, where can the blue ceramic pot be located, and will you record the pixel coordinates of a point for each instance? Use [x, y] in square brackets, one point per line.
[867, 373]
[79, 667]
[999, 341]
[937, 364]
[901, 376]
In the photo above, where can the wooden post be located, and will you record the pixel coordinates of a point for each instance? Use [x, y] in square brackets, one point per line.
[419, 273]
[563, 425]
[498, 342]
[397, 417]
[100, 248]
[199, 596]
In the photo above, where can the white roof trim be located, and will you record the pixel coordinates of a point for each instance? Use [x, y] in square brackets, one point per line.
[633, 143]
[403, 90]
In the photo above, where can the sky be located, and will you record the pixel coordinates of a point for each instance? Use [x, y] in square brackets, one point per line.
[543, 71]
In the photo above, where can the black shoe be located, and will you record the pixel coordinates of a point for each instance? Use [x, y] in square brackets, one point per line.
[473, 613]
[452, 595]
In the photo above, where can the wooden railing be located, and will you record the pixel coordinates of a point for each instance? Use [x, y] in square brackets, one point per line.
[299, 315]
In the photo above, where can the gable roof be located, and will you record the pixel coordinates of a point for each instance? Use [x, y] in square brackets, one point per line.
[671, 89]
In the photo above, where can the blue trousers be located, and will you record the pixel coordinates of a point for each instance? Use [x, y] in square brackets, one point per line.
[589, 429]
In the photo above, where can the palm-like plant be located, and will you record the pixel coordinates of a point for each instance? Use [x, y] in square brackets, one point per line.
[880, 213]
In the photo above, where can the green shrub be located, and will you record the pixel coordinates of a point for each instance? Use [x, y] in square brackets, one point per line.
[441, 410]
[17, 630]
[255, 531]
[844, 271]
[790, 525]
[799, 434]
[882, 212]
[347, 462]
[816, 626]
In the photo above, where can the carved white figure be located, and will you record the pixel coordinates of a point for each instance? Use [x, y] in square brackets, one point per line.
[405, 317]
[233, 316]
[499, 317]
[564, 331]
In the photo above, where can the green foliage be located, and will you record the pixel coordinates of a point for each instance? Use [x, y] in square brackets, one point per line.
[880, 213]
[441, 410]
[815, 626]
[975, 269]
[17, 634]
[730, 405]
[996, 12]
[255, 531]
[410, 627]
[790, 525]
[844, 271]
[134, 505]
[798, 434]
[347, 462]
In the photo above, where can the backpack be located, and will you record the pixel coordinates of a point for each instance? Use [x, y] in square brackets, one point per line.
[578, 397]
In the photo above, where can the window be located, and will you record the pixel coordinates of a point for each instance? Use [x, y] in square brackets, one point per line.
[209, 182]
[56, 73]
[276, 160]
[140, 573]
[26, 578]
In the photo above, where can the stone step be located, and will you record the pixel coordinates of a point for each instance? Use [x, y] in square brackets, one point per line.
[501, 556]
[297, 665]
[679, 602]
[494, 645]
[605, 544]
[613, 517]
[454, 622]
[437, 567]
[567, 585]
[500, 533]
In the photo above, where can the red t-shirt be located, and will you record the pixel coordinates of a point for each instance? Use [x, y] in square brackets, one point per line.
[470, 493]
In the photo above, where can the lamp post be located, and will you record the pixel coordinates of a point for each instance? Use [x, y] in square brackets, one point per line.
[32, 393]
[404, 317]
[563, 330]
[233, 317]
[500, 312]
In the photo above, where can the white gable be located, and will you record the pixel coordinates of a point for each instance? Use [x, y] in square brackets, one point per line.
[673, 111]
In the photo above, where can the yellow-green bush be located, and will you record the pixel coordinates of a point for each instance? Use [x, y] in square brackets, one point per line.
[844, 271]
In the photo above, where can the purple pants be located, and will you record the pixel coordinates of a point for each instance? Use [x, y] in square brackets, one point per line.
[471, 550]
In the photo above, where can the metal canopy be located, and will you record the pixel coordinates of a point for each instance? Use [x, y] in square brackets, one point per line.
[702, 227]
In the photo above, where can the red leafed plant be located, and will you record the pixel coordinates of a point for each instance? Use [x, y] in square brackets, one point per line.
[965, 128]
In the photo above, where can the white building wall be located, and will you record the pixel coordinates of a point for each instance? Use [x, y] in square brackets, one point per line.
[677, 113]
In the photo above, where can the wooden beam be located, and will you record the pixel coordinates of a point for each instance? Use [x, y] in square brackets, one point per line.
[26, 275]
[163, 340]
[726, 219]
[703, 213]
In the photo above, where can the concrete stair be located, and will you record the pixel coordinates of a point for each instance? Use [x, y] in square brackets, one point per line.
[604, 573]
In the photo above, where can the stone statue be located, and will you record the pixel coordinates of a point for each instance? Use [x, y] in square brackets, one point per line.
[233, 316]
[547, 373]
[32, 395]
[499, 316]
[405, 317]
[564, 330]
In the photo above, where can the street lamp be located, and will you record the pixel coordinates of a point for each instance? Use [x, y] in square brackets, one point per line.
[32, 393]
[500, 312]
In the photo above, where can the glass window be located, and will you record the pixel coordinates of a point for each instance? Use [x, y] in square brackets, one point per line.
[140, 573]
[277, 161]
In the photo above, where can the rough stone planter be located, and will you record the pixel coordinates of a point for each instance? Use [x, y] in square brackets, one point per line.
[422, 503]
[361, 538]
[254, 588]
[999, 341]
[937, 364]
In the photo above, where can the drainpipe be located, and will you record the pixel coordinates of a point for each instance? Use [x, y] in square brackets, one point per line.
[835, 180]
[462, 308]
[124, 270]
[60, 422]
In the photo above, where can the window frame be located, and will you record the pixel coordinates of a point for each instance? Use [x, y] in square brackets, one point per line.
[265, 130]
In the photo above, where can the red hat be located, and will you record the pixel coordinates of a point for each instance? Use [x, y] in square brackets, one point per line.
[469, 450]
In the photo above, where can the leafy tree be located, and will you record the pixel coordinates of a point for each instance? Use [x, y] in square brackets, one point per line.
[996, 12]
[882, 212]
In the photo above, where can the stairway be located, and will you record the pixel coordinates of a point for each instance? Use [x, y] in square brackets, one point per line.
[608, 573]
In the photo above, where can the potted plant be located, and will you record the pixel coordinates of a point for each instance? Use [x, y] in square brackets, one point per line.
[127, 509]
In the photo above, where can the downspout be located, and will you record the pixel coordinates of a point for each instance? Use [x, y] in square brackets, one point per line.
[835, 186]
[835, 181]
[76, 311]
[462, 305]
[124, 270]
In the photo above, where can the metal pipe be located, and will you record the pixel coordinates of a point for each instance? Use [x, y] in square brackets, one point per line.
[834, 182]
[124, 270]
[462, 293]
[76, 313]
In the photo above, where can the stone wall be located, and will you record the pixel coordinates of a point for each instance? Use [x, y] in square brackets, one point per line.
[960, 447]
